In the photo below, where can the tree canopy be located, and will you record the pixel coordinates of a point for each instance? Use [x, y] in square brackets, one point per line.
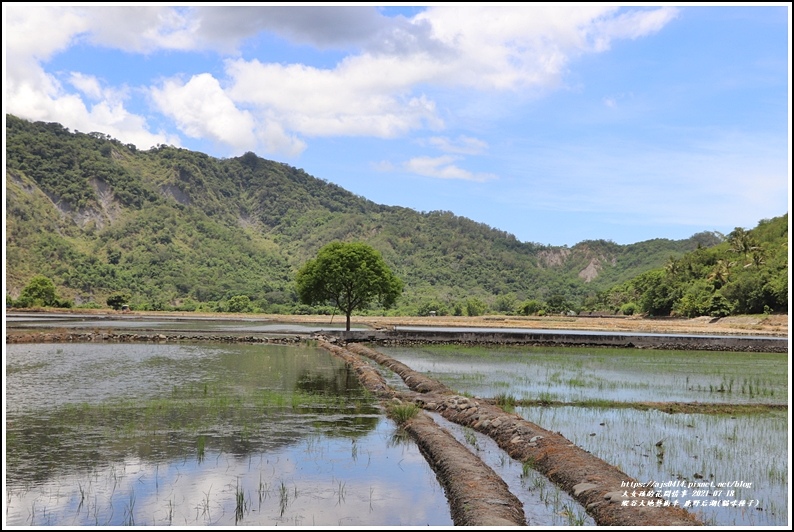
[349, 275]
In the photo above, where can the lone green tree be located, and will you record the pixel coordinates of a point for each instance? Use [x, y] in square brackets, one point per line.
[349, 275]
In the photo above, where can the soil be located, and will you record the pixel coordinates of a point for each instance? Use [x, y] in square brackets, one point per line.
[760, 325]
[756, 325]
[477, 495]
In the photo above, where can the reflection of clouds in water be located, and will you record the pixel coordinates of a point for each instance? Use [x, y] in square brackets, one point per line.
[109, 470]
[323, 485]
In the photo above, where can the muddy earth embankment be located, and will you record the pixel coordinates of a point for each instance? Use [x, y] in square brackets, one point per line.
[601, 489]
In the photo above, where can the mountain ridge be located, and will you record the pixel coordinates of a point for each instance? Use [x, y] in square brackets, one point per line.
[173, 226]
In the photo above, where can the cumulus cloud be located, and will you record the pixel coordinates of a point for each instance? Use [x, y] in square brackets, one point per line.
[324, 26]
[442, 168]
[384, 87]
[143, 28]
[520, 46]
[33, 34]
[88, 85]
[324, 102]
[201, 109]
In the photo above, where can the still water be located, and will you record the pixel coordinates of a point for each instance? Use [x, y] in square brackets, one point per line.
[749, 453]
[134, 434]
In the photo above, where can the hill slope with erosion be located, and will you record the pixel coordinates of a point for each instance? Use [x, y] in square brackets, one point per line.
[180, 229]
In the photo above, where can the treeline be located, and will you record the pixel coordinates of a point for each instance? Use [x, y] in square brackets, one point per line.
[171, 229]
[746, 274]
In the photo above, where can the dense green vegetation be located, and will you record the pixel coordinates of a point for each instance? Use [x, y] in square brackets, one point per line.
[351, 276]
[746, 274]
[168, 228]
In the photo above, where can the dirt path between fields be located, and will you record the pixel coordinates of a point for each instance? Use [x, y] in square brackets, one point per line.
[475, 492]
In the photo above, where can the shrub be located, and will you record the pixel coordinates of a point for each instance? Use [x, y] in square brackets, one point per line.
[475, 306]
[239, 304]
[530, 307]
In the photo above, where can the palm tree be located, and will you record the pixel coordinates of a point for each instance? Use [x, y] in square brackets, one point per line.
[742, 242]
[720, 273]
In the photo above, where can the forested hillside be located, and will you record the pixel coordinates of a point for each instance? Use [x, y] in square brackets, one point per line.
[168, 228]
[746, 274]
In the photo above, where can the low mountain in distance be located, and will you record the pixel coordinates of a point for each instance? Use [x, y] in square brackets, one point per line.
[177, 229]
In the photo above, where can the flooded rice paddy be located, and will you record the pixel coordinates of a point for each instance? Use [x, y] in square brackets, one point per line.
[602, 374]
[274, 435]
[748, 453]
[115, 434]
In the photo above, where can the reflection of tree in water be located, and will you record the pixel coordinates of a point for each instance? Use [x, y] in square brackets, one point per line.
[343, 385]
[241, 401]
[341, 382]
[50, 443]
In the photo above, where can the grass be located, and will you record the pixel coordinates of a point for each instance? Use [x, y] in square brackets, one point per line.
[506, 400]
[403, 412]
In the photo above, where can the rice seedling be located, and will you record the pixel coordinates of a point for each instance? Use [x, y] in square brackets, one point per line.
[283, 497]
[340, 493]
[240, 503]
[505, 400]
[262, 490]
[527, 467]
[470, 437]
[200, 444]
[574, 517]
[205, 504]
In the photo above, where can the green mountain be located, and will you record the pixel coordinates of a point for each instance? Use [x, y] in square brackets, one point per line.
[177, 229]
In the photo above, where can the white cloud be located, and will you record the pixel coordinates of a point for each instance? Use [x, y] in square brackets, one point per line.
[145, 28]
[41, 97]
[276, 140]
[442, 168]
[34, 34]
[383, 89]
[201, 109]
[37, 32]
[521, 46]
[382, 166]
[88, 85]
[375, 92]
[631, 25]
[322, 102]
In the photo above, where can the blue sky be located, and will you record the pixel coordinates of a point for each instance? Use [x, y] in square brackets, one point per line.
[556, 123]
